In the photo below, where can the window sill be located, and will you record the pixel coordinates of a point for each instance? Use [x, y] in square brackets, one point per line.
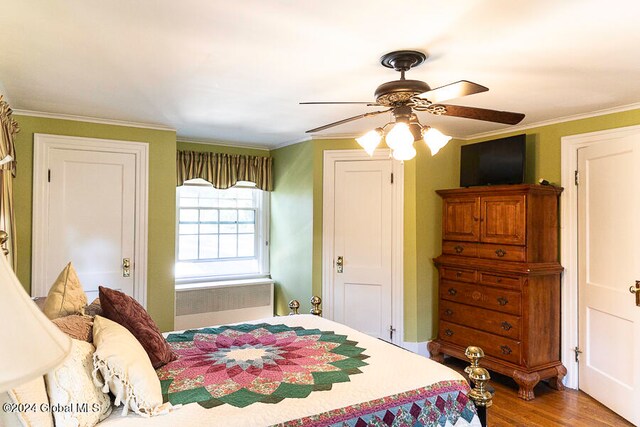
[190, 286]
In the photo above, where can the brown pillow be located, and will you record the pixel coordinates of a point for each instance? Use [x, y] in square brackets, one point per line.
[129, 313]
[76, 326]
[93, 309]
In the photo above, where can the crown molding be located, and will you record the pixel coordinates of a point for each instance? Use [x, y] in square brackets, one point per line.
[293, 142]
[223, 144]
[563, 119]
[88, 119]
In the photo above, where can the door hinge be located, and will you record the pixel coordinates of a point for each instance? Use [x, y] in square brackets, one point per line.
[392, 177]
[576, 177]
[577, 351]
[48, 175]
[391, 331]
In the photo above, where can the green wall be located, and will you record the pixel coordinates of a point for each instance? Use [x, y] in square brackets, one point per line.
[162, 181]
[292, 225]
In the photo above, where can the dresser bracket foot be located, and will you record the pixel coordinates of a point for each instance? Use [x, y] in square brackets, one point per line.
[556, 382]
[434, 351]
[526, 383]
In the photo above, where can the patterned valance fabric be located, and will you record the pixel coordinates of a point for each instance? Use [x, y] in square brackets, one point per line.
[8, 129]
[225, 170]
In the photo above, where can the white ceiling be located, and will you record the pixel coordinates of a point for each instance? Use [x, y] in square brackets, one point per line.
[235, 71]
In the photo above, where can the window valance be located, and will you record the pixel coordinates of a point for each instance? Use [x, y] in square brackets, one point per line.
[225, 170]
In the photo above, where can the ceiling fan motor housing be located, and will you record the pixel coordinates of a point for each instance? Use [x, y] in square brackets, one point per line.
[399, 91]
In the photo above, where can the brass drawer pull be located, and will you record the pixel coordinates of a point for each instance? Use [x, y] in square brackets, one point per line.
[452, 291]
[506, 326]
[448, 332]
[503, 301]
[501, 252]
[459, 249]
[448, 312]
[505, 349]
[458, 273]
[498, 280]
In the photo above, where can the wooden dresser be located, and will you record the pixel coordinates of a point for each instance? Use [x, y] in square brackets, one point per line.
[499, 281]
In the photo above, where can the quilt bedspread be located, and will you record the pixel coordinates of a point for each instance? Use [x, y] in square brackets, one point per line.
[302, 371]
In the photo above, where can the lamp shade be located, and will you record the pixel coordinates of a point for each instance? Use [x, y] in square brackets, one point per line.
[31, 344]
[370, 140]
[399, 137]
[435, 139]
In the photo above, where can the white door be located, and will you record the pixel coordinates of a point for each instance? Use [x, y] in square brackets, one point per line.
[362, 243]
[608, 263]
[87, 210]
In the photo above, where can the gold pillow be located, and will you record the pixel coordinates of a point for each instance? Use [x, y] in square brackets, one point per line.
[66, 296]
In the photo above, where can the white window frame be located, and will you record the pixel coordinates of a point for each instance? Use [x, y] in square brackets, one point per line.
[262, 249]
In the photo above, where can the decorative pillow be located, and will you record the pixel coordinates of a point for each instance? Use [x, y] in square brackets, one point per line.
[71, 383]
[34, 395]
[66, 295]
[123, 309]
[93, 309]
[125, 369]
[76, 326]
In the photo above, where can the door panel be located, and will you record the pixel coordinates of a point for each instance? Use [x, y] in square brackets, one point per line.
[608, 232]
[91, 217]
[503, 219]
[362, 292]
[461, 218]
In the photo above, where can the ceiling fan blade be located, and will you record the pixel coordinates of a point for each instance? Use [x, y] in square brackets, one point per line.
[332, 103]
[506, 117]
[453, 90]
[350, 119]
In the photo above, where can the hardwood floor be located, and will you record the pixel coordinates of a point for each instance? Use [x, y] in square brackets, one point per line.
[549, 408]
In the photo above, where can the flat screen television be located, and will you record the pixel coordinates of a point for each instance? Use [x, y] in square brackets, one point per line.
[500, 161]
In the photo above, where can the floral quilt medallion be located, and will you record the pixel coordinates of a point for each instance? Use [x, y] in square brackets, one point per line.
[243, 364]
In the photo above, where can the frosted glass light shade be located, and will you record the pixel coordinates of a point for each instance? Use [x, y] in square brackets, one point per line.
[404, 153]
[31, 344]
[370, 140]
[399, 136]
[435, 139]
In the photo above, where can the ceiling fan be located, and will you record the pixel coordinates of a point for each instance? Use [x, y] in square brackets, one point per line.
[403, 97]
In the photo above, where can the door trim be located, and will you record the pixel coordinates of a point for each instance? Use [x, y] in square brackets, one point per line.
[569, 240]
[43, 144]
[397, 231]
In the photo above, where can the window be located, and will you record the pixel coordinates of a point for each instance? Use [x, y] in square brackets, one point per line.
[222, 234]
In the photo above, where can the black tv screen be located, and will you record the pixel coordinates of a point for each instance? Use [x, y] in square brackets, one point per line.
[500, 161]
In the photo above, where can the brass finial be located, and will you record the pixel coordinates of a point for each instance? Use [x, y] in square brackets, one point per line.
[479, 394]
[479, 377]
[474, 354]
[315, 303]
[294, 305]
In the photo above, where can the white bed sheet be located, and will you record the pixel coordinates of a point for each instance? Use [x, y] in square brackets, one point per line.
[389, 370]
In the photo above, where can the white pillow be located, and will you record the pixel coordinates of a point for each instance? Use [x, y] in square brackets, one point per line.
[70, 387]
[126, 369]
[34, 395]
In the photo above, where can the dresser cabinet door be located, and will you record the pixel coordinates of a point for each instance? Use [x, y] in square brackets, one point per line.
[461, 219]
[503, 219]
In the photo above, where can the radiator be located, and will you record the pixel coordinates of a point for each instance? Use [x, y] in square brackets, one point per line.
[206, 304]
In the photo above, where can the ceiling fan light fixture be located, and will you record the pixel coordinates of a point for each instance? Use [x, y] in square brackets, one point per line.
[370, 140]
[404, 153]
[399, 137]
[434, 139]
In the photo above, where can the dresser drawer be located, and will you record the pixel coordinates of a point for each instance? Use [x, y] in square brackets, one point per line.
[481, 296]
[495, 322]
[458, 274]
[493, 345]
[459, 248]
[502, 252]
[502, 280]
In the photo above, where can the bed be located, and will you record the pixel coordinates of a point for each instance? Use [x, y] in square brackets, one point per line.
[303, 370]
